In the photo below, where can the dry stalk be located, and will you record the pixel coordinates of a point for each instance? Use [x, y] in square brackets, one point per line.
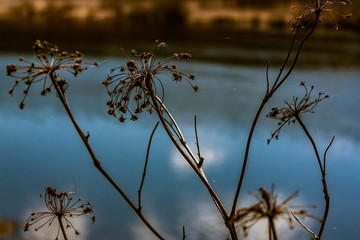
[269, 93]
[96, 162]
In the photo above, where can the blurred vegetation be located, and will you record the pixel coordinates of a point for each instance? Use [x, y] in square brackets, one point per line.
[7, 227]
[101, 22]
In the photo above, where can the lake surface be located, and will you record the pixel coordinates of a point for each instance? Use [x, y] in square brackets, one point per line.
[39, 147]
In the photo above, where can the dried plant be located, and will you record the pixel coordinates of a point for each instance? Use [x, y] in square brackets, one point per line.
[291, 113]
[294, 110]
[62, 208]
[140, 84]
[128, 82]
[302, 27]
[328, 9]
[136, 87]
[48, 61]
[268, 208]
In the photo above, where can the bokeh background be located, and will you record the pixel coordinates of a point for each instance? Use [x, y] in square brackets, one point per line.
[103, 22]
[231, 43]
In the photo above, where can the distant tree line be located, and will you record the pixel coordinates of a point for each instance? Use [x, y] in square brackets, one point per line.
[169, 19]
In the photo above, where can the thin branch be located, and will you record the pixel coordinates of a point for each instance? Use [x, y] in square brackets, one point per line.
[201, 158]
[273, 229]
[145, 166]
[332, 140]
[305, 227]
[266, 98]
[171, 118]
[312, 142]
[323, 174]
[267, 77]
[178, 131]
[184, 234]
[317, 16]
[199, 172]
[62, 228]
[96, 162]
[247, 149]
[286, 59]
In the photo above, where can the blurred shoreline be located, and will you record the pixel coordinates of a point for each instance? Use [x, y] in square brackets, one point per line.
[97, 27]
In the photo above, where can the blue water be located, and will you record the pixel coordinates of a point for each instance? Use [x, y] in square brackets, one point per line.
[39, 147]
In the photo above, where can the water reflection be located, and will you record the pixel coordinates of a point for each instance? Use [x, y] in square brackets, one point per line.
[39, 147]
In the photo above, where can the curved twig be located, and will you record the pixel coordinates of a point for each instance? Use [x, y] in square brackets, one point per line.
[96, 162]
[323, 174]
[201, 158]
[266, 98]
[305, 227]
[190, 159]
[145, 166]
[332, 140]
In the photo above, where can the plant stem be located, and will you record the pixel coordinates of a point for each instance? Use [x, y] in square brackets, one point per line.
[62, 228]
[96, 162]
[243, 169]
[273, 229]
[323, 173]
[266, 98]
[199, 172]
[145, 166]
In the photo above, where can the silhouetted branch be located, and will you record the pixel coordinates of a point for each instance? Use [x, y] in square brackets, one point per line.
[96, 162]
[145, 166]
[266, 98]
[332, 140]
[305, 227]
[201, 158]
[190, 159]
[183, 233]
[267, 77]
[323, 174]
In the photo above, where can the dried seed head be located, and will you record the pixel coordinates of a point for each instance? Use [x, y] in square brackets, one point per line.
[131, 82]
[11, 68]
[61, 207]
[22, 105]
[294, 110]
[49, 61]
[267, 208]
[185, 55]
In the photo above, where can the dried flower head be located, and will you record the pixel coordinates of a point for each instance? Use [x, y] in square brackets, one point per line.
[270, 209]
[291, 111]
[62, 207]
[48, 60]
[128, 82]
[326, 8]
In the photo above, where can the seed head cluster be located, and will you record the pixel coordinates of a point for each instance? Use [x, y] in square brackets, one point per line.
[325, 8]
[48, 60]
[291, 111]
[269, 208]
[61, 207]
[129, 82]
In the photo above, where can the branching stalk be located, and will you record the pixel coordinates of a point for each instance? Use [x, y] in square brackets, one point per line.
[323, 173]
[199, 172]
[175, 126]
[332, 140]
[62, 228]
[201, 158]
[145, 166]
[305, 227]
[96, 162]
[183, 233]
[266, 98]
